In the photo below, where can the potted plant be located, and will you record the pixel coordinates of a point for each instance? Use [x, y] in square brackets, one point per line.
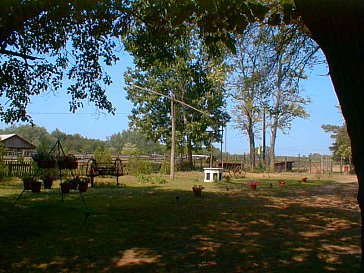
[197, 189]
[83, 185]
[27, 182]
[30, 183]
[36, 186]
[44, 160]
[75, 182]
[48, 179]
[67, 162]
[253, 185]
[65, 186]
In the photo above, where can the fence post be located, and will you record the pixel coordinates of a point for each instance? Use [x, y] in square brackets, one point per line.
[10, 167]
[285, 163]
[309, 164]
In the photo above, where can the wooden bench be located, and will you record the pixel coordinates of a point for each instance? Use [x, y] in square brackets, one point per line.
[94, 169]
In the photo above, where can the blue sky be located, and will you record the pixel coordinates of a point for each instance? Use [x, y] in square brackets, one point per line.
[306, 136]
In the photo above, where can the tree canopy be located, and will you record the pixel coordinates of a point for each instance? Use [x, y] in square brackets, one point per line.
[192, 79]
[44, 42]
[341, 147]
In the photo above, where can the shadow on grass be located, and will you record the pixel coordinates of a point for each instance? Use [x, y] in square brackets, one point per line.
[148, 229]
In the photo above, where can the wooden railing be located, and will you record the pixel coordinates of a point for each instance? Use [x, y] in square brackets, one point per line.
[14, 168]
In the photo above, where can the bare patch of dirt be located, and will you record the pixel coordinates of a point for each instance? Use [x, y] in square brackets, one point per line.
[342, 178]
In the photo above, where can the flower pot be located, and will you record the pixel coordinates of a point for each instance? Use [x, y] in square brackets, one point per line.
[67, 162]
[72, 165]
[197, 191]
[83, 186]
[65, 187]
[36, 186]
[46, 163]
[73, 185]
[27, 185]
[62, 164]
[27, 182]
[253, 186]
[47, 183]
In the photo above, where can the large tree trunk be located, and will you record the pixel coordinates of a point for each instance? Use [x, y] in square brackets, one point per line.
[338, 27]
[250, 131]
[251, 149]
[272, 151]
[277, 107]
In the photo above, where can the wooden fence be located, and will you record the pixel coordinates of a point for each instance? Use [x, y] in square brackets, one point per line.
[299, 164]
[14, 168]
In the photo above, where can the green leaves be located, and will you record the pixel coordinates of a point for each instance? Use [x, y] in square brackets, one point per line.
[191, 78]
[341, 147]
[72, 38]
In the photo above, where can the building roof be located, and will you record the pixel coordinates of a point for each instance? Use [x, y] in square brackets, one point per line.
[3, 137]
[16, 141]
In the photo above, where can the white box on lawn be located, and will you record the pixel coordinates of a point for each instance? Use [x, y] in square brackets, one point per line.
[213, 174]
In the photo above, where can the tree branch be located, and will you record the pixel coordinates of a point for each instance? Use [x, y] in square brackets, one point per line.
[24, 56]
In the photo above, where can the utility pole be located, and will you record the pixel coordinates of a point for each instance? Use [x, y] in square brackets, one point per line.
[222, 140]
[263, 137]
[211, 152]
[173, 114]
[173, 138]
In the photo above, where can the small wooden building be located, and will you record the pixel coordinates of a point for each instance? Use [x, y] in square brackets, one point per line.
[15, 146]
[284, 166]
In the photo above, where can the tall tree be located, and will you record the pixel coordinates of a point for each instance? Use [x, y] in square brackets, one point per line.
[289, 51]
[248, 79]
[341, 148]
[190, 78]
[270, 65]
[338, 27]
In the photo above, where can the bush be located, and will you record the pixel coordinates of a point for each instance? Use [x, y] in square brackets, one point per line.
[159, 180]
[103, 155]
[165, 167]
[152, 179]
[138, 167]
[3, 169]
[227, 178]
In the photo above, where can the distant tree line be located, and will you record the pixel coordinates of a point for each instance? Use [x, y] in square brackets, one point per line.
[125, 142]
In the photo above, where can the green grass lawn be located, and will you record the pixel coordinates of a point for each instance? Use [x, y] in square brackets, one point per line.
[140, 227]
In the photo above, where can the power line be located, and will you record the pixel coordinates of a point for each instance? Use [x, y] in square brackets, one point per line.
[70, 113]
[169, 97]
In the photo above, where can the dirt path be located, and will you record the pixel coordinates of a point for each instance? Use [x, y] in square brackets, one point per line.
[342, 178]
